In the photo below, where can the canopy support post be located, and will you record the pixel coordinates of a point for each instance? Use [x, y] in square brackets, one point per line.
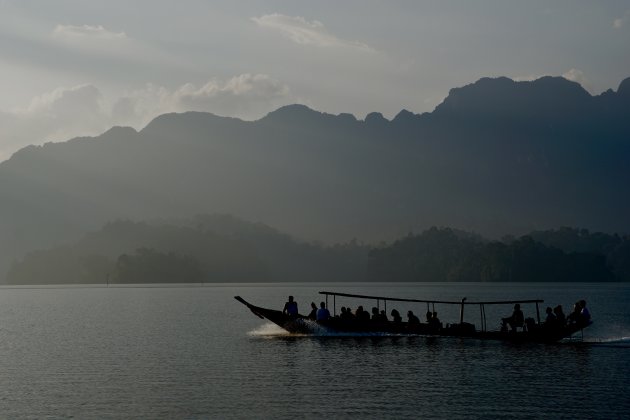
[485, 320]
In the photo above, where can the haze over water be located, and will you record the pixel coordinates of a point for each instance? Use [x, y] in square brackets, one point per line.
[195, 352]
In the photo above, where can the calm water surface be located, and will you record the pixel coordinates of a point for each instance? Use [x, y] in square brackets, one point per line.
[194, 352]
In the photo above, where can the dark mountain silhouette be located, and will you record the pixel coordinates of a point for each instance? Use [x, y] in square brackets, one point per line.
[496, 157]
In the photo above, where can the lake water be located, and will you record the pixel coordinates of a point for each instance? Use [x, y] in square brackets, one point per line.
[195, 352]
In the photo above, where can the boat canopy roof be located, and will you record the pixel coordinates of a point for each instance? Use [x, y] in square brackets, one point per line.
[463, 301]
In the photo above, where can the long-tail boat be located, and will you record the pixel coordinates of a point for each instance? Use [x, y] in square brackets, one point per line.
[532, 330]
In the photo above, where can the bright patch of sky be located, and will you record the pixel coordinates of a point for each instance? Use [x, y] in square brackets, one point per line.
[73, 68]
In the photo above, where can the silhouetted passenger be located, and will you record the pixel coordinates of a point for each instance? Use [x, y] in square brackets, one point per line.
[342, 312]
[348, 314]
[396, 316]
[435, 321]
[384, 316]
[551, 320]
[365, 316]
[585, 315]
[313, 314]
[375, 315]
[362, 315]
[561, 319]
[290, 307]
[322, 313]
[412, 319]
[516, 320]
[429, 315]
[575, 315]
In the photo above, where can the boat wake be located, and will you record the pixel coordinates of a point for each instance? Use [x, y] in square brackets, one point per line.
[270, 330]
[621, 342]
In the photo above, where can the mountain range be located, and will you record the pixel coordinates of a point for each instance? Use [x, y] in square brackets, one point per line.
[496, 157]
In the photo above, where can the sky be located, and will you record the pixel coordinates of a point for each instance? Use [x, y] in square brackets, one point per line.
[78, 67]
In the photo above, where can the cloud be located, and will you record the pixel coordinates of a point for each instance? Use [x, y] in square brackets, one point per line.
[303, 32]
[573, 75]
[93, 39]
[98, 45]
[238, 96]
[60, 114]
[67, 102]
[529, 78]
[246, 96]
[86, 31]
[622, 21]
[83, 110]
[577, 76]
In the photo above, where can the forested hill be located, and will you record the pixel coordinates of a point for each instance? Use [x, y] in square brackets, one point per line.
[563, 255]
[206, 248]
[496, 157]
[221, 248]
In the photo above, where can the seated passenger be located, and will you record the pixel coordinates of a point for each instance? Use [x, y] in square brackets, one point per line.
[396, 316]
[585, 315]
[383, 316]
[290, 307]
[365, 316]
[575, 316]
[435, 321]
[362, 315]
[313, 314]
[375, 315]
[322, 313]
[429, 315]
[412, 319]
[551, 320]
[530, 324]
[561, 319]
[342, 312]
[516, 320]
[348, 314]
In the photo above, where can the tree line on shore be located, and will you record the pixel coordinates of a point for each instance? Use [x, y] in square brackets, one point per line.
[221, 248]
[205, 248]
[563, 255]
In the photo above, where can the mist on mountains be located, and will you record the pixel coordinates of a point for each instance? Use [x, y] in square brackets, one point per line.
[205, 248]
[496, 157]
[223, 249]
